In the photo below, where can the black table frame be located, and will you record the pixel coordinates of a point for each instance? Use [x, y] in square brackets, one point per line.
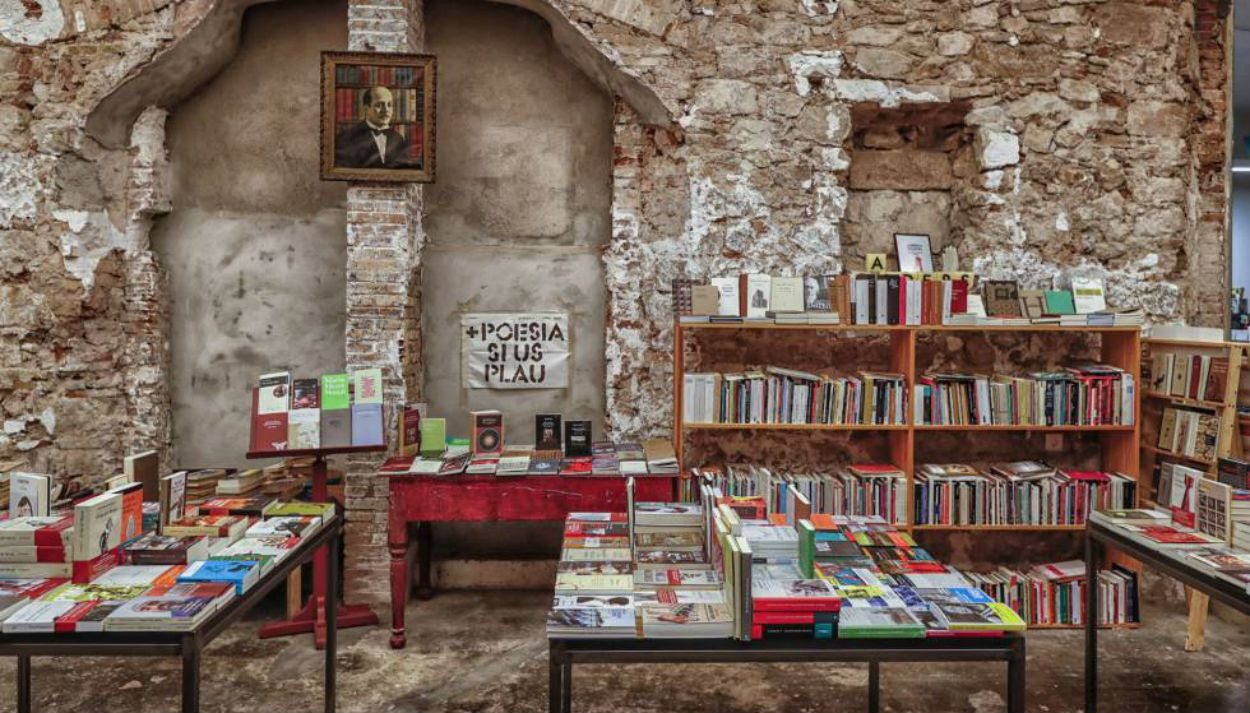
[565, 652]
[1099, 534]
[188, 645]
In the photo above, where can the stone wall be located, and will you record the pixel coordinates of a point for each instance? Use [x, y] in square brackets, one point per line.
[1091, 140]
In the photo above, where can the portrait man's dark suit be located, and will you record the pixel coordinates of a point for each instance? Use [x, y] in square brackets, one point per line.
[361, 145]
[356, 147]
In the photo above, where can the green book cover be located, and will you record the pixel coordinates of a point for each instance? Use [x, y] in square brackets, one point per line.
[367, 386]
[433, 437]
[807, 548]
[1060, 302]
[334, 392]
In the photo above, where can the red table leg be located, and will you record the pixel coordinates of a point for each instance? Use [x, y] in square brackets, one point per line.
[397, 544]
[312, 616]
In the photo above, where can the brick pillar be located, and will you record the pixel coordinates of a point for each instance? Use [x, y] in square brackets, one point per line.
[1207, 248]
[147, 356]
[384, 240]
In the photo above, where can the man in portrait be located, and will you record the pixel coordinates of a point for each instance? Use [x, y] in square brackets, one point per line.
[373, 143]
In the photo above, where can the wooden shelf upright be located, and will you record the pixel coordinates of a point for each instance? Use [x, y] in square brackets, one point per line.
[1121, 347]
[1228, 443]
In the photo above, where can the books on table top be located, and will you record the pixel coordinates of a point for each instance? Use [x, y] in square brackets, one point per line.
[161, 613]
[325, 511]
[677, 577]
[30, 494]
[664, 559]
[874, 622]
[54, 531]
[574, 583]
[242, 506]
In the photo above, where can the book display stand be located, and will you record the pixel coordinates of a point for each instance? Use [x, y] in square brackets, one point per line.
[314, 616]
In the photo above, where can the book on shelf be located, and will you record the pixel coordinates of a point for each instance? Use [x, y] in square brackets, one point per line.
[776, 395]
[945, 495]
[754, 295]
[1086, 395]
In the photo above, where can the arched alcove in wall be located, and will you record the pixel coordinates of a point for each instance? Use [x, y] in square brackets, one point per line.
[255, 243]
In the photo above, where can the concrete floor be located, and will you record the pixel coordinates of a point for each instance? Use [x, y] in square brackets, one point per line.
[485, 652]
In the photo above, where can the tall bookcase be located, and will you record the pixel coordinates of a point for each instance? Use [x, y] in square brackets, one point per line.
[1227, 444]
[1120, 444]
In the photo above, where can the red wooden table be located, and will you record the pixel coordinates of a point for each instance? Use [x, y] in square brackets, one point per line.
[424, 499]
[313, 616]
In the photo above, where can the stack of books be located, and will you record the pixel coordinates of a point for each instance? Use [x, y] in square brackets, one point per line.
[248, 483]
[856, 489]
[37, 546]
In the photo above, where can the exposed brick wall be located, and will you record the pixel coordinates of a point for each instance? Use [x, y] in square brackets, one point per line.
[384, 240]
[1096, 143]
[1207, 249]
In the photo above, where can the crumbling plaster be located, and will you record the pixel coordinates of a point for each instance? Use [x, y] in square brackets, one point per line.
[1098, 134]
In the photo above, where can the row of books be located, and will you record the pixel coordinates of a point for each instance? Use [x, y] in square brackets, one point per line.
[1190, 376]
[1019, 493]
[1189, 433]
[169, 582]
[873, 489]
[377, 75]
[1054, 594]
[1087, 395]
[894, 298]
[651, 457]
[777, 395]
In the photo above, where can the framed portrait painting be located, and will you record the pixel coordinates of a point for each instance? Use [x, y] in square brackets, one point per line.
[377, 117]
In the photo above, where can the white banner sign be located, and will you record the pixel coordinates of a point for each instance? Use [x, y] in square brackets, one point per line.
[515, 350]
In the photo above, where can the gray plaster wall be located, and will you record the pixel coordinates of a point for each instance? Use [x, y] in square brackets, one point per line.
[521, 207]
[255, 245]
[515, 221]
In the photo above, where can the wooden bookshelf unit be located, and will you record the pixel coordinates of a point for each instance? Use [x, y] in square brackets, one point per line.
[1120, 347]
[1120, 444]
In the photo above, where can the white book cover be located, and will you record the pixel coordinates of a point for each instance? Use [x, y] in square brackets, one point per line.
[729, 303]
[786, 294]
[275, 393]
[133, 575]
[97, 526]
[1087, 295]
[37, 616]
[304, 428]
[30, 494]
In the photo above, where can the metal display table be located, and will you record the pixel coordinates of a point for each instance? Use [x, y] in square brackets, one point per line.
[566, 652]
[1100, 534]
[189, 645]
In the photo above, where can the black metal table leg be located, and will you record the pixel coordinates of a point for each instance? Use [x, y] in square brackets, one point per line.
[332, 629]
[874, 687]
[1016, 666]
[566, 685]
[191, 674]
[23, 684]
[555, 688]
[1091, 624]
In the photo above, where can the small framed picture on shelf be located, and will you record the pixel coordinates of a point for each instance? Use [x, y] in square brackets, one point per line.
[377, 117]
[914, 252]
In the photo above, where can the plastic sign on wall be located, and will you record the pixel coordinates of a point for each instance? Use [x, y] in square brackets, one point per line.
[513, 350]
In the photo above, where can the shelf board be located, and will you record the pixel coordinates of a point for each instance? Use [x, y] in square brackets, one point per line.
[1169, 454]
[792, 427]
[1044, 627]
[1023, 427]
[905, 328]
[1001, 528]
[1185, 343]
[1183, 401]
